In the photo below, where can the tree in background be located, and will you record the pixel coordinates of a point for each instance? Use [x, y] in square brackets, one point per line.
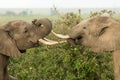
[54, 10]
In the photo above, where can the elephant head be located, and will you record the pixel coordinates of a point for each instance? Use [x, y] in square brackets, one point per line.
[100, 33]
[18, 35]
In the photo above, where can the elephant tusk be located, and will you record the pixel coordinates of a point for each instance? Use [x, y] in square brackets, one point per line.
[54, 41]
[61, 35]
[50, 42]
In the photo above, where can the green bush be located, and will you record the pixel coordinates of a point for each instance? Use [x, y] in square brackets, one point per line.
[101, 12]
[66, 21]
[62, 62]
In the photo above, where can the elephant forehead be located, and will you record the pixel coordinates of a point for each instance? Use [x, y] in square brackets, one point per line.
[18, 30]
[84, 22]
[17, 23]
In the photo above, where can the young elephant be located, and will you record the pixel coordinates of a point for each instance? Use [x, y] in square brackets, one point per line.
[99, 33]
[17, 36]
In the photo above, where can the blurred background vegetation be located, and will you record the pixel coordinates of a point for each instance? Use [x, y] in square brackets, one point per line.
[61, 62]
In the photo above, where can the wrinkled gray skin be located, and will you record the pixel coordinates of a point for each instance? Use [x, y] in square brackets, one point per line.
[100, 34]
[17, 36]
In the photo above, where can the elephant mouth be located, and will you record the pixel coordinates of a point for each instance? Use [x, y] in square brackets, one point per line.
[35, 44]
[75, 41]
[78, 40]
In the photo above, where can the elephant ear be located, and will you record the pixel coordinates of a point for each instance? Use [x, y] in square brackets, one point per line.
[7, 45]
[102, 30]
[99, 31]
[99, 25]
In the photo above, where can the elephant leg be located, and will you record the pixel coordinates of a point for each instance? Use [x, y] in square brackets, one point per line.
[3, 67]
[116, 60]
[1, 73]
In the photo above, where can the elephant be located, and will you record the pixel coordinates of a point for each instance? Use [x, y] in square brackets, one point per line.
[100, 33]
[18, 35]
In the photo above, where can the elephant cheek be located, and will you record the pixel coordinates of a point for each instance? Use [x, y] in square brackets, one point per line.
[23, 44]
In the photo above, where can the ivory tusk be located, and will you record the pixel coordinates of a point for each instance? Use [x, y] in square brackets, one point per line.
[61, 35]
[50, 42]
[54, 41]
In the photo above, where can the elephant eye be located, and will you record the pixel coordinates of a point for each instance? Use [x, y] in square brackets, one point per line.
[42, 25]
[26, 30]
[84, 27]
[39, 25]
